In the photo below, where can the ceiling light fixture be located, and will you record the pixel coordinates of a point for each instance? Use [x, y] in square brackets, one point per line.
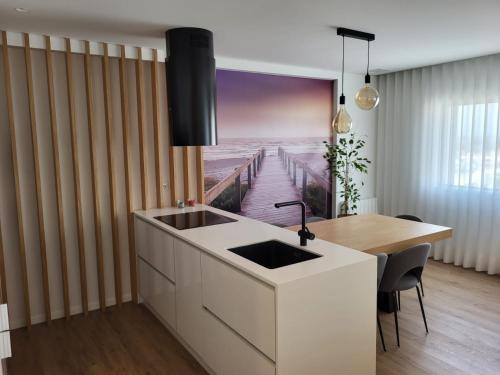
[367, 97]
[342, 123]
[22, 10]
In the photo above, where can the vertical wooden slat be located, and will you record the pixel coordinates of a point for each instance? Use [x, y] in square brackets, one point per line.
[172, 175]
[156, 128]
[108, 113]
[57, 169]
[36, 162]
[15, 169]
[76, 176]
[127, 161]
[142, 132]
[93, 169]
[172, 172]
[185, 166]
[200, 172]
[3, 279]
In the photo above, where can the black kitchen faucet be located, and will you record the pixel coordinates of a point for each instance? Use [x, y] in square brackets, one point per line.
[304, 233]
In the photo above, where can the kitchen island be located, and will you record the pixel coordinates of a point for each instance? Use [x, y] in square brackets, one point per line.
[238, 317]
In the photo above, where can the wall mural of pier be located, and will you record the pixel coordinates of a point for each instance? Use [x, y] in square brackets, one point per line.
[271, 130]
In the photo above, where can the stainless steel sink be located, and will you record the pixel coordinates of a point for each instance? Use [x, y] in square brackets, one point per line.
[273, 254]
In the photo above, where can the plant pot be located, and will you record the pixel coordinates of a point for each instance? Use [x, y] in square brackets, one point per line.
[344, 215]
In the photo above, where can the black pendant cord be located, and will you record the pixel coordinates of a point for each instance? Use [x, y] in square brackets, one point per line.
[368, 65]
[343, 41]
[367, 76]
[355, 34]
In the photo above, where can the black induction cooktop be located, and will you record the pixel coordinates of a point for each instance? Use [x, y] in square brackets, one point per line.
[194, 219]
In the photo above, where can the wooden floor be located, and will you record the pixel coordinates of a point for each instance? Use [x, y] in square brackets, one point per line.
[463, 312]
[129, 340]
[272, 185]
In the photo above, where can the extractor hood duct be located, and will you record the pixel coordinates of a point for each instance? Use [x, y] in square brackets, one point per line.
[190, 66]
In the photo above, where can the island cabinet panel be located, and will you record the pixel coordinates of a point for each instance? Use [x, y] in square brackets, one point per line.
[329, 331]
[157, 292]
[244, 303]
[156, 247]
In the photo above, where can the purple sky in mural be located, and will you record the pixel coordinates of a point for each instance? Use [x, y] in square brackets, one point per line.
[264, 106]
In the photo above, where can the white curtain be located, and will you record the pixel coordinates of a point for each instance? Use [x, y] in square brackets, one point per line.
[438, 155]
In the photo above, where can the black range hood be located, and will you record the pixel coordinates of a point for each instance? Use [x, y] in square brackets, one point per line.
[190, 69]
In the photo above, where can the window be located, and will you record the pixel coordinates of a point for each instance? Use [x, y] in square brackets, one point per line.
[476, 146]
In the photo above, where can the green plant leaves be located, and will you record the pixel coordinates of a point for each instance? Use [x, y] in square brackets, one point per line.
[343, 159]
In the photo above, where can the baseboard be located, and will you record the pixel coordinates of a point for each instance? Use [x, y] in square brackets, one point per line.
[58, 314]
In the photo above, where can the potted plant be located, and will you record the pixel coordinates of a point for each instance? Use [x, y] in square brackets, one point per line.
[344, 160]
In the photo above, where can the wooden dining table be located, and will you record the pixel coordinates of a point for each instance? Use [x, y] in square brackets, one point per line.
[375, 234]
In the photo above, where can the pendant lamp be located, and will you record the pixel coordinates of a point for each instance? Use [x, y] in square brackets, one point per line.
[342, 123]
[367, 97]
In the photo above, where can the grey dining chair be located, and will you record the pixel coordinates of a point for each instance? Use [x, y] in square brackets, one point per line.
[403, 272]
[381, 262]
[419, 220]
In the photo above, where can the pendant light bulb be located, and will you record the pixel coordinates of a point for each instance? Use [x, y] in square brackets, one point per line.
[367, 97]
[342, 123]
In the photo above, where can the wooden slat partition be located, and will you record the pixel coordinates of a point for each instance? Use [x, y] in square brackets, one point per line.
[15, 169]
[185, 167]
[3, 279]
[172, 175]
[156, 128]
[57, 170]
[142, 131]
[161, 148]
[108, 113]
[93, 168]
[200, 171]
[127, 161]
[38, 180]
[76, 176]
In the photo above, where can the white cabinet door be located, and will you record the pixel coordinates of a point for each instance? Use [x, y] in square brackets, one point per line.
[227, 353]
[156, 247]
[223, 350]
[244, 303]
[158, 292]
[188, 294]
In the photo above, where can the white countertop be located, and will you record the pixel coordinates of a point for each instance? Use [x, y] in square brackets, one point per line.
[216, 239]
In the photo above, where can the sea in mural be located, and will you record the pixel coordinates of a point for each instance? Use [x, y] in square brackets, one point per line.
[271, 131]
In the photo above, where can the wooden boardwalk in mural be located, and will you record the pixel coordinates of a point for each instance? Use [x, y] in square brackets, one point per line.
[272, 185]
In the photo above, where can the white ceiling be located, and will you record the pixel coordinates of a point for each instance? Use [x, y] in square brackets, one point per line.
[409, 33]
